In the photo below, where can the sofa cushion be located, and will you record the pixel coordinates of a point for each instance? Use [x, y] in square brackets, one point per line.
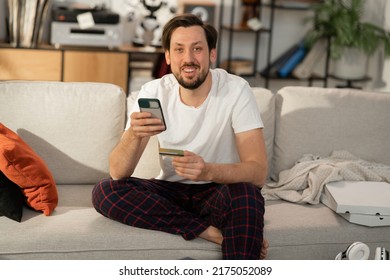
[149, 163]
[320, 120]
[25, 168]
[11, 199]
[266, 102]
[77, 231]
[314, 232]
[72, 126]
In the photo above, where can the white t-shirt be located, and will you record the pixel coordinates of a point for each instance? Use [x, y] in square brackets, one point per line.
[208, 130]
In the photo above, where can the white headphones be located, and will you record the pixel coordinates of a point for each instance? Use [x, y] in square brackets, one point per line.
[355, 251]
[360, 251]
[381, 254]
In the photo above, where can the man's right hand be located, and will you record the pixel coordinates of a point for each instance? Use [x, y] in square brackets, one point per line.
[144, 125]
[126, 154]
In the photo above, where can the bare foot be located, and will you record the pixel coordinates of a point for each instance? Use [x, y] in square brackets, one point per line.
[213, 234]
[264, 249]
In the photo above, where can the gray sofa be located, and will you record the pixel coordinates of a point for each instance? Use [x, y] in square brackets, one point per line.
[74, 126]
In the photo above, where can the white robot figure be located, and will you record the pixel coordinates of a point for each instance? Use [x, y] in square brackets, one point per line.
[150, 16]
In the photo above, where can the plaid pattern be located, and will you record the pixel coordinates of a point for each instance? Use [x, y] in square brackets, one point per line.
[188, 209]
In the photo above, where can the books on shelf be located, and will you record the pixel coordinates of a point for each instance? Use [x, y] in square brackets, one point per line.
[306, 68]
[292, 61]
[26, 19]
[273, 68]
[238, 66]
[297, 62]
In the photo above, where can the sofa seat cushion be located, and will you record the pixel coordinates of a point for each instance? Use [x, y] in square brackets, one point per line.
[76, 231]
[302, 231]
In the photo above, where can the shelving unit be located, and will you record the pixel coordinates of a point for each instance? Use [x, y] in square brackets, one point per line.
[232, 28]
[72, 64]
[303, 6]
[64, 64]
[291, 6]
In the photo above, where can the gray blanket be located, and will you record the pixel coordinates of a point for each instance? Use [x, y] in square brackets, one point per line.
[304, 182]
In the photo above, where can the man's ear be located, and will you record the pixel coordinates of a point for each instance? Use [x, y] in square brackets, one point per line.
[167, 57]
[213, 55]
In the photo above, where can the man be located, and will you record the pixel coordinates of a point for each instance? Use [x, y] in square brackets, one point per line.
[212, 191]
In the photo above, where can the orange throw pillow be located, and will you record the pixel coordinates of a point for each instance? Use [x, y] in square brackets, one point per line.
[24, 167]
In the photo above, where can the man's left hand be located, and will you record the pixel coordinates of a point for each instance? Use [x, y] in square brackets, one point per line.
[191, 166]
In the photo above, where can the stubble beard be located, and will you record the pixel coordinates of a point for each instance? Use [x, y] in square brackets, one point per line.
[192, 84]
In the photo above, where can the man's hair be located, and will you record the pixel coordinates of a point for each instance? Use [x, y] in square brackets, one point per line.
[188, 20]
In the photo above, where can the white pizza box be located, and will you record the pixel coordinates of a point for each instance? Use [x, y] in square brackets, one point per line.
[367, 220]
[360, 202]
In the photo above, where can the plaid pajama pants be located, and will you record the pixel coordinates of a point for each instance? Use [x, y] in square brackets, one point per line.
[188, 209]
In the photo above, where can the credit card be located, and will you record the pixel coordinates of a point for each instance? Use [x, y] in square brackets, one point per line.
[171, 152]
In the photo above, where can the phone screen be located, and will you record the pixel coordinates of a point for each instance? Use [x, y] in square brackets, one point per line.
[153, 106]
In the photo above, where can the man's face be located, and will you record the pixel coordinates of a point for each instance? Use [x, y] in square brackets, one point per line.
[189, 56]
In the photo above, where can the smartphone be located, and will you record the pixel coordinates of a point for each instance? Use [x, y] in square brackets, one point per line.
[153, 106]
[171, 152]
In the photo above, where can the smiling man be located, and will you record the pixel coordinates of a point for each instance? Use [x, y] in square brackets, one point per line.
[212, 191]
